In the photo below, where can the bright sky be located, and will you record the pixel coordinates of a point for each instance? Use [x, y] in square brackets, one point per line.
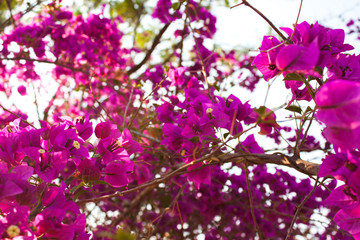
[241, 26]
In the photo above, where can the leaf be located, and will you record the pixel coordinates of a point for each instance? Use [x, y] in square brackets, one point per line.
[101, 182]
[73, 189]
[165, 201]
[77, 195]
[308, 109]
[261, 110]
[123, 235]
[294, 108]
[175, 5]
[294, 77]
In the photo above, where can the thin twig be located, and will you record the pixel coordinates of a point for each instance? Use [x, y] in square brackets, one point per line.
[145, 136]
[142, 102]
[246, 3]
[155, 181]
[23, 120]
[158, 219]
[150, 51]
[35, 101]
[12, 20]
[299, 209]
[21, 14]
[258, 230]
[132, 205]
[128, 105]
[46, 61]
[297, 19]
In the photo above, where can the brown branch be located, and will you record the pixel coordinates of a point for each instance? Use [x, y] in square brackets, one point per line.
[16, 115]
[246, 3]
[9, 21]
[158, 219]
[46, 61]
[299, 209]
[150, 51]
[297, 20]
[133, 204]
[12, 20]
[145, 136]
[305, 167]
[248, 184]
[156, 181]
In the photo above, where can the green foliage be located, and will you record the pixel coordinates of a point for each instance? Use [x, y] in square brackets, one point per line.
[294, 108]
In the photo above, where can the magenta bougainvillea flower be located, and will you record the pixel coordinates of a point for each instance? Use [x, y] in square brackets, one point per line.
[300, 59]
[345, 67]
[337, 103]
[116, 173]
[176, 76]
[178, 141]
[104, 129]
[266, 60]
[349, 220]
[14, 224]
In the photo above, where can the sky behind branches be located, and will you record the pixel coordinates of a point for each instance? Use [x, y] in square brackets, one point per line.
[242, 27]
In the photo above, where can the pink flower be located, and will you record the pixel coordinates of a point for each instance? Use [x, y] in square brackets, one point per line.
[338, 102]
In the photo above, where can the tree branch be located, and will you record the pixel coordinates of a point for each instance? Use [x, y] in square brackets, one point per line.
[305, 167]
[9, 21]
[150, 51]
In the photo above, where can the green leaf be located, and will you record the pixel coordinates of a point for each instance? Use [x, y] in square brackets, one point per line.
[165, 201]
[144, 38]
[175, 5]
[319, 70]
[101, 182]
[294, 77]
[77, 195]
[308, 109]
[123, 235]
[217, 87]
[261, 110]
[294, 108]
[73, 189]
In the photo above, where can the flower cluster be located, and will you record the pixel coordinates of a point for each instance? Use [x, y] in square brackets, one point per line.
[310, 50]
[107, 159]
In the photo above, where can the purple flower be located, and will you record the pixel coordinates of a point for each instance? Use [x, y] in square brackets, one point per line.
[349, 220]
[116, 173]
[250, 145]
[162, 11]
[338, 103]
[104, 129]
[198, 176]
[173, 139]
[15, 224]
[345, 67]
[300, 59]
[84, 127]
[22, 90]
[15, 182]
[194, 128]
[9, 148]
[89, 171]
[266, 60]
[343, 197]
[176, 76]
[115, 147]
